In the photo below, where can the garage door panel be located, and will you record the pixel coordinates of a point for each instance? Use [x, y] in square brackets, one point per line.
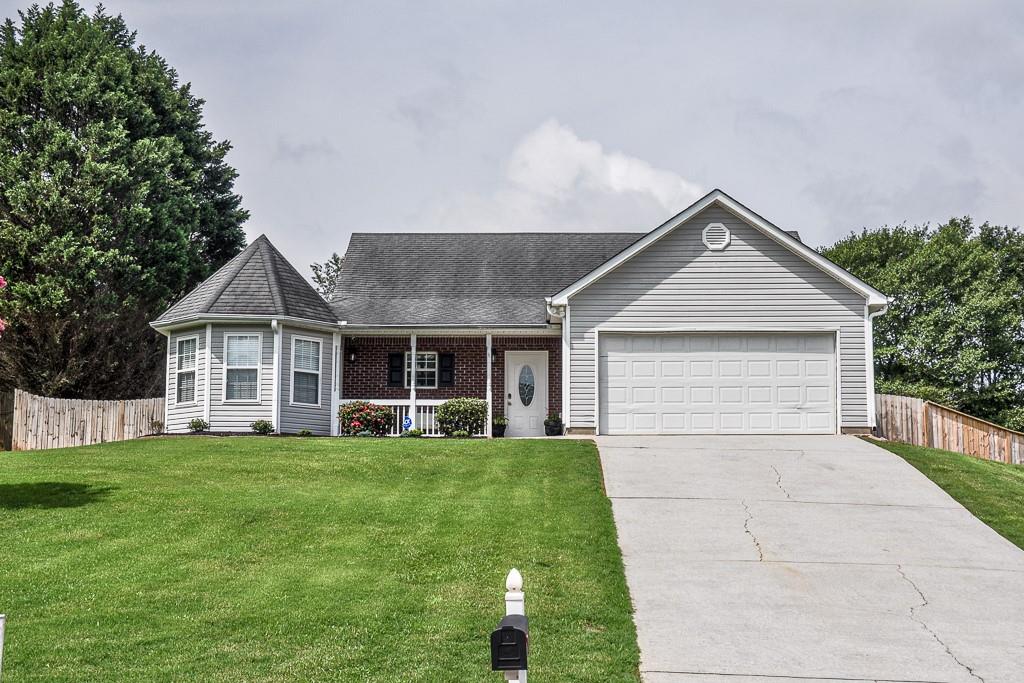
[708, 383]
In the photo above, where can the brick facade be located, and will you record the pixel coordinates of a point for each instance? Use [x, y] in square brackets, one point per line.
[367, 377]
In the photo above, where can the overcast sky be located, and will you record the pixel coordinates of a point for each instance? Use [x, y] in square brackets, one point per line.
[822, 116]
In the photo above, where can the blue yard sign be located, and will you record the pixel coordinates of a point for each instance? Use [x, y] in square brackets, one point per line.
[407, 423]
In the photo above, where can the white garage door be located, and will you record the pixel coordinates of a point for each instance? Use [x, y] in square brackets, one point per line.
[717, 383]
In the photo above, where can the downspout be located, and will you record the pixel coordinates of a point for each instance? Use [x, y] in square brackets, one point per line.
[275, 398]
[338, 360]
[206, 379]
[869, 341]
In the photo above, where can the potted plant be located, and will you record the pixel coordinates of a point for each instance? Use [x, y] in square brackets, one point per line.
[553, 425]
[498, 425]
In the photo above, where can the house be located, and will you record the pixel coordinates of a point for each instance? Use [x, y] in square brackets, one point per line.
[716, 321]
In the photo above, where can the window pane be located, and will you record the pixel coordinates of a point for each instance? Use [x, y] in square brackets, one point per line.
[244, 351]
[186, 387]
[187, 354]
[243, 385]
[307, 387]
[527, 385]
[307, 355]
[426, 369]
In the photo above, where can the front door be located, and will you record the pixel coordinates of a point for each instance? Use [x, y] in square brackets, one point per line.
[526, 392]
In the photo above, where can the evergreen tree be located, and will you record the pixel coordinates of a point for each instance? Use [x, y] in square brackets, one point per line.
[114, 202]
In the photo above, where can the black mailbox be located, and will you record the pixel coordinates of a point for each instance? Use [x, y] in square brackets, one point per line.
[509, 644]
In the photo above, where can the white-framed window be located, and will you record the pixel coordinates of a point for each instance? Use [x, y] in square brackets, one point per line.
[305, 371]
[185, 379]
[242, 367]
[426, 369]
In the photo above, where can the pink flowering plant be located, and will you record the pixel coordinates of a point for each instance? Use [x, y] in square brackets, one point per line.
[362, 416]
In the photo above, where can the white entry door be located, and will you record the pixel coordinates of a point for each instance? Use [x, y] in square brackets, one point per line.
[718, 383]
[526, 392]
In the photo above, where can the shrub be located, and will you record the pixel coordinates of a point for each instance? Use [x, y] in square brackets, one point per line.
[263, 427]
[198, 424]
[412, 433]
[554, 419]
[460, 434]
[462, 415]
[156, 426]
[362, 416]
[304, 432]
[500, 420]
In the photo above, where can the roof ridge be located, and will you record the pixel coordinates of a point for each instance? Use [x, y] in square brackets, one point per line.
[267, 250]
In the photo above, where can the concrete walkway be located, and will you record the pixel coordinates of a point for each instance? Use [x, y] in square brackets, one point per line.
[801, 559]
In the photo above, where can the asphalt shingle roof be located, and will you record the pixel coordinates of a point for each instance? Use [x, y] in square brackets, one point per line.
[497, 279]
[260, 282]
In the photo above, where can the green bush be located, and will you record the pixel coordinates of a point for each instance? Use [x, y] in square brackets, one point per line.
[198, 424]
[263, 427]
[500, 420]
[304, 432]
[462, 415]
[460, 434]
[362, 416]
[412, 433]
[917, 390]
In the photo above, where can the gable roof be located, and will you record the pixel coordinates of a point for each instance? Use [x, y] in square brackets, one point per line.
[258, 282]
[783, 237]
[473, 279]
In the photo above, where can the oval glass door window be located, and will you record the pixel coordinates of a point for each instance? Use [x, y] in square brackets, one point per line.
[527, 385]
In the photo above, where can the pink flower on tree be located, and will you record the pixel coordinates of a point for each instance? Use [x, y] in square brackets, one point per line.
[3, 282]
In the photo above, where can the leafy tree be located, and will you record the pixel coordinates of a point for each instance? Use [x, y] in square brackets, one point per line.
[954, 331]
[325, 275]
[114, 202]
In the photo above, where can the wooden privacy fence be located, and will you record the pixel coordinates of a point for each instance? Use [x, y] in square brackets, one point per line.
[39, 422]
[923, 423]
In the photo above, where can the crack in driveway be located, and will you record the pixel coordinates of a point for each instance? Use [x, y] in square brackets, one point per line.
[913, 615]
[746, 528]
[778, 482]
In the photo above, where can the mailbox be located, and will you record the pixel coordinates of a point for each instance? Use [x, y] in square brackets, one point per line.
[509, 644]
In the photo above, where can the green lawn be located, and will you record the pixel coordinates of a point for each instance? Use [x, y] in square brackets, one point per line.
[272, 559]
[992, 491]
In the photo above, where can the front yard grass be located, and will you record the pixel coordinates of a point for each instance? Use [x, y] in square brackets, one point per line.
[266, 559]
[992, 491]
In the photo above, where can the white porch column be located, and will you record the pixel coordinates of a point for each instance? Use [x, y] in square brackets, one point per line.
[338, 358]
[412, 382]
[490, 395]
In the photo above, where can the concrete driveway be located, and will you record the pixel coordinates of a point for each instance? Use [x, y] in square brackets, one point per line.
[797, 559]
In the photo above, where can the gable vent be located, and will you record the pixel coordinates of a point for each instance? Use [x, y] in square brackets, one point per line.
[716, 236]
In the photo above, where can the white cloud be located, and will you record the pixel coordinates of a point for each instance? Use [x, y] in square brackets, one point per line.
[556, 180]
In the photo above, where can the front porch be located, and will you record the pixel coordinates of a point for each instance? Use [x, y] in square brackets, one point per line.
[520, 377]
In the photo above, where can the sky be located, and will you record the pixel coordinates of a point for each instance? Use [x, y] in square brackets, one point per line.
[823, 117]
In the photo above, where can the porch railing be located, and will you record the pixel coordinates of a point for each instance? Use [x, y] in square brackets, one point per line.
[425, 419]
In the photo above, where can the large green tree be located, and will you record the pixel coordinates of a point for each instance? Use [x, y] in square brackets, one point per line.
[955, 329]
[114, 201]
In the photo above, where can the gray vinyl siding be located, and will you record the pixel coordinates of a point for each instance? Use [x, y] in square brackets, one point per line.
[296, 417]
[236, 417]
[179, 415]
[754, 284]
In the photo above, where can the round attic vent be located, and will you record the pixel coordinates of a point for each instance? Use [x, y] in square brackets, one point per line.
[716, 236]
